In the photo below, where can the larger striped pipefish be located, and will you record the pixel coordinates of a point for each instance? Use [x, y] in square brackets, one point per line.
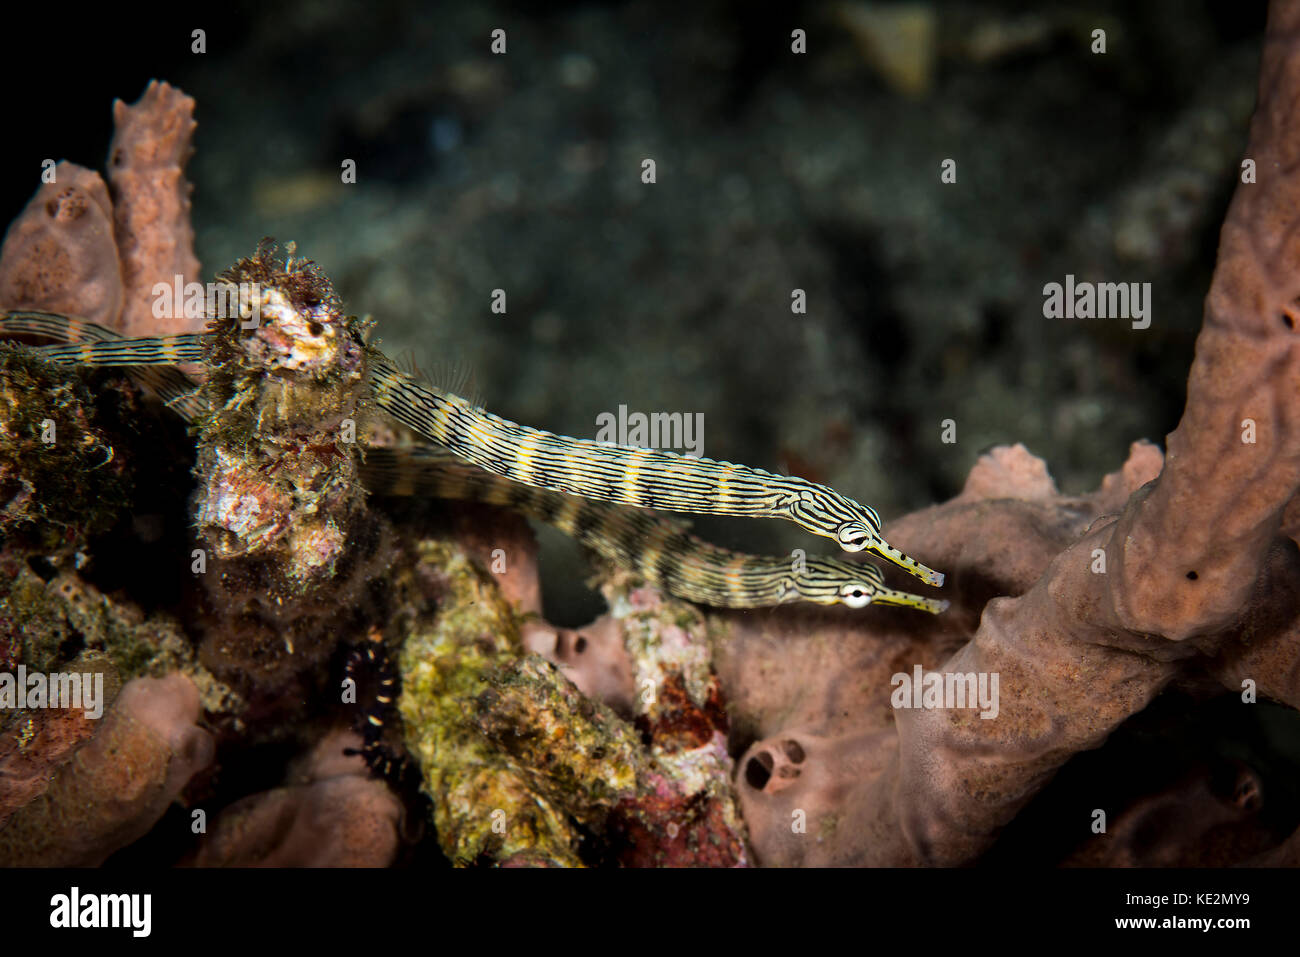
[570, 487]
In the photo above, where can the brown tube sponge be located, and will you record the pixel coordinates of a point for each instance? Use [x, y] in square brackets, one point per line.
[1194, 573]
[118, 784]
[339, 817]
[75, 251]
[152, 141]
[60, 253]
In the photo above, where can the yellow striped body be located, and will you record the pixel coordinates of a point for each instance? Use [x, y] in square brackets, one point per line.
[661, 551]
[643, 478]
[577, 485]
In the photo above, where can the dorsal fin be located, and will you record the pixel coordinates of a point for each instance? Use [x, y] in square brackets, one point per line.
[448, 375]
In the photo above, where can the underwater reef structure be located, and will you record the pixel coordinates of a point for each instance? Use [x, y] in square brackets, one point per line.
[343, 677]
[96, 250]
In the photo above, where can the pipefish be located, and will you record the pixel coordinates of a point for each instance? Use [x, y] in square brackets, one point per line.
[580, 486]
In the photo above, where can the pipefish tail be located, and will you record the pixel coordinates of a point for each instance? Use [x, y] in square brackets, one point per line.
[638, 477]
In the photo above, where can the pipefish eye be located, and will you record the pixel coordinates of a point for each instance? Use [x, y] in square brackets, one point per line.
[856, 594]
[852, 536]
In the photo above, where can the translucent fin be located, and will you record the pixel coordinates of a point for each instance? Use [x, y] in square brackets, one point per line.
[448, 375]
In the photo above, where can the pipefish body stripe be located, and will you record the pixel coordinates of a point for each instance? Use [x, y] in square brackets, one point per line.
[662, 551]
[171, 385]
[168, 350]
[644, 478]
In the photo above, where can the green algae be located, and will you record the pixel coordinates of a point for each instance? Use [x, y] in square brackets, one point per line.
[483, 807]
[66, 616]
[574, 749]
[519, 764]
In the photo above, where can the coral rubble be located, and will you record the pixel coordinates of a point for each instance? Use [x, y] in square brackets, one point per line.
[65, 474]
[278, 453]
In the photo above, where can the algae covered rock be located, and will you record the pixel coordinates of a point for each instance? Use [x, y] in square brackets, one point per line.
[62, 476]
[484, 807]
[523, 768]
[278, 453]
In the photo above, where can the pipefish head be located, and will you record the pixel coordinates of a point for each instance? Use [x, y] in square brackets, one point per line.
[827, 512]
[854, 526]
[827, 581]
